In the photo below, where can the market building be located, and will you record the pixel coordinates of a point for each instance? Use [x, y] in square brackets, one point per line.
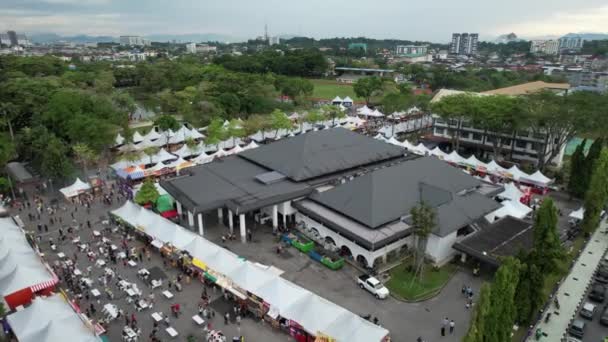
[262, 183]
[369, 217]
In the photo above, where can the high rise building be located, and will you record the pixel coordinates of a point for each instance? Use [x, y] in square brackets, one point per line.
[571, 43]
[191, 47]
[546, 47]
[12, 38]
[464, 44]
[274, 40]
[134, 41]
[411, 50]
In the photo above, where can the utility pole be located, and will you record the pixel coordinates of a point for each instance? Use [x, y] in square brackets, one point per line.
[266, 38]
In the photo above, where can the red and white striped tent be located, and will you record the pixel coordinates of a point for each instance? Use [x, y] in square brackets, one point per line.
[23, 274]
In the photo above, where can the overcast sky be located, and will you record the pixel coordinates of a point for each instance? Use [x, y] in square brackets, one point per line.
[433, 20]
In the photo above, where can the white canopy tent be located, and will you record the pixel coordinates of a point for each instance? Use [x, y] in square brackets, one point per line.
[161, 156]
[475, 163]
[365, 110]
[496, 169]
[336, 100]
[511, 192]
[516, 173]
[137, 138]
[50, 319]
[420, 149]
[203, 158]
[437, 152]
[454, 157]
[537, 178]
[578, 214]
[347, 100]
[250, 146]
[314, 313]
[119, 140]
[509, 208]
[153, 135]
[75, 189]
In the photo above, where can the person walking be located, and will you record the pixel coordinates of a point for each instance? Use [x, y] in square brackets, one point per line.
[227, 318]
[452, 325]
[444, 325]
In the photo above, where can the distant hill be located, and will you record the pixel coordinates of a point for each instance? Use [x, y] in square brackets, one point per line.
[195, 38]
[588, 36]
[42, 38]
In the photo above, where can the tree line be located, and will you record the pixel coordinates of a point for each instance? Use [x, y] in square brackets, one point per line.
[556, 118]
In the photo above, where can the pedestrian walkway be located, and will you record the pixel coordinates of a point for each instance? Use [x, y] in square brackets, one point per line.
[573, 289]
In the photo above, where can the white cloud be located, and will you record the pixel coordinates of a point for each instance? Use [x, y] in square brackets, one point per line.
[587, 20]
[67, 24]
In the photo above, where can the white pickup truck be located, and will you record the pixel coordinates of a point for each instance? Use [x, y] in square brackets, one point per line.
[373, 285]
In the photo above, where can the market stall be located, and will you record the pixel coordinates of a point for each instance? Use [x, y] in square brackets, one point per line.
[77, 188]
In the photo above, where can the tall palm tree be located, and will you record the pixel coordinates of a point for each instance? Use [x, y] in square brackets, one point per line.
[423, 220]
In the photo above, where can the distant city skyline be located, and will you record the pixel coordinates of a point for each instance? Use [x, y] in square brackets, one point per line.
[241, 19]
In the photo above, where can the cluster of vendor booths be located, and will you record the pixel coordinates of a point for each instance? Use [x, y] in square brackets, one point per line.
[27, 286]
[285, 305]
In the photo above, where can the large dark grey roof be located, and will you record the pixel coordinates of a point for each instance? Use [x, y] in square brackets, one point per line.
[316, 154]
[388, 194]
[231, 182]
[502, 238]
[18, 172]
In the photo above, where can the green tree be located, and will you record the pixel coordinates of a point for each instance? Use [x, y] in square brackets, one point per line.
[150, 151]
[457, 108]
[104, 82]
[84, 155]
[7, 149]
[529, 295]
[216, 132]
[547, 250]
[256, 123]
[596, 196]
[279, 121]
[478, 327]
[147, 194]
[501, 315]
[333, 113]
[235, 130]
[367, 87]
[577, 171]
[55, 163]
[423, 221]
[9, 111]
[589, 163]
[313, 116]
[166, 123]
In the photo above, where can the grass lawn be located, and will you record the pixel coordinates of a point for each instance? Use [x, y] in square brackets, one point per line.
[401, 283]
[328, 89]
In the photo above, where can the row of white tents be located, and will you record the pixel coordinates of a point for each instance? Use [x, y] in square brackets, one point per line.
[514, 173]
[156, 139]
[313, 313]
[176, 160]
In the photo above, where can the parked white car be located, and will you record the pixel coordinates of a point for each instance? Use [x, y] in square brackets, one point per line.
[373, 285]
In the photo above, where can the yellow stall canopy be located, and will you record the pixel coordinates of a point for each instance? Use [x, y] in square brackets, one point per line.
[196, 262]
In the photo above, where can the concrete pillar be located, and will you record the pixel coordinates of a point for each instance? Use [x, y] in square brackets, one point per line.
[179, 208]
[275, 218]
[463, 258]
[230, 222]
[200, 224]
[190, 219]
[385, 258]
[220, 215]
[243, 228]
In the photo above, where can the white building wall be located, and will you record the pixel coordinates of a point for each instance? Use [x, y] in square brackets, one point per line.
[439, 249]
[355, 249]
